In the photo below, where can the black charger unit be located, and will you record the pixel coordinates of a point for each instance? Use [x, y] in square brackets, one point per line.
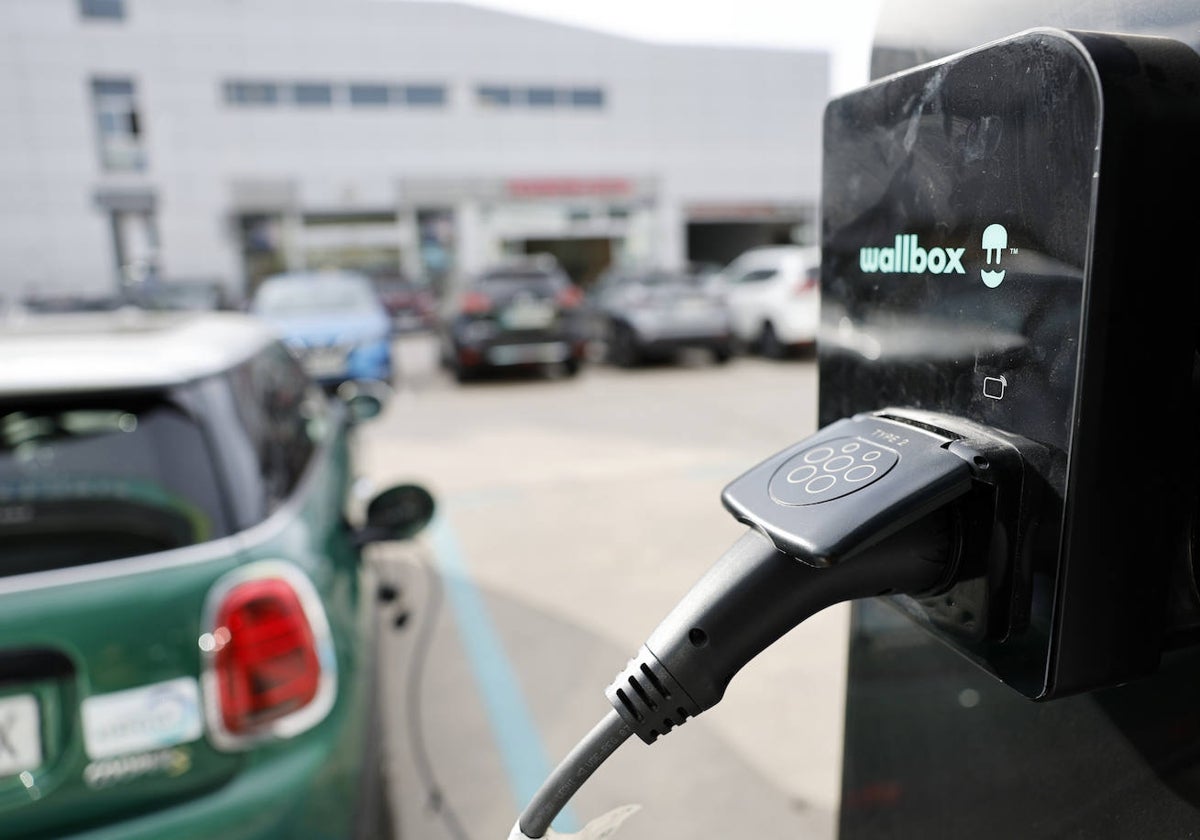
[1009, 241]
[1007, 366]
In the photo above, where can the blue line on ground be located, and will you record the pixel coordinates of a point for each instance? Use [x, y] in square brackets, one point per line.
[521, 749]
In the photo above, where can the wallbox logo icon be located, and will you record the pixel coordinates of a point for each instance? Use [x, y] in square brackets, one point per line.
[995, 240]
[908, 257]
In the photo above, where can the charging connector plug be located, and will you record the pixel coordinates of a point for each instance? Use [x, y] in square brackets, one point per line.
[750, 598]
[866, 507]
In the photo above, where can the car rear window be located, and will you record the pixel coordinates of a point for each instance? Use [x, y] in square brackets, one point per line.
[284, 415]
[85, 481]
[315, 295]
[663, 278]
[514, 281]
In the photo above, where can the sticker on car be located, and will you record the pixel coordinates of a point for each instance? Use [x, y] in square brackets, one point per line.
[145, 718]
[106, 772]
[20, 734]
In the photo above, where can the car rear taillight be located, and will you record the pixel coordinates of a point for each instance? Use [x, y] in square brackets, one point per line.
[570, 297]
[268, 666]
[476, 303]
[270, 669]
[810, 281]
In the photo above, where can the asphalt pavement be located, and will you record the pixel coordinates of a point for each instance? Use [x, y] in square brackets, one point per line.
[573, 514]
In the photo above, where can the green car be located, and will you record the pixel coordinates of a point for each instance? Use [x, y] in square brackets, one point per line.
[186, 641]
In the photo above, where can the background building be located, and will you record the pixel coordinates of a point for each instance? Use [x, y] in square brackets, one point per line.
[172, 140]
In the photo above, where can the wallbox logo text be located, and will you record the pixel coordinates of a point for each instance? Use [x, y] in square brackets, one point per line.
[908, 257]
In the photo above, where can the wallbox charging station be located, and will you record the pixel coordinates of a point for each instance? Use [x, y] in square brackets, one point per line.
[1006, 388]
[1044, 166]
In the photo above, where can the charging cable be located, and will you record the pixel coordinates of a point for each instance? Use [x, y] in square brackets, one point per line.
[750, 598]
[873, 504]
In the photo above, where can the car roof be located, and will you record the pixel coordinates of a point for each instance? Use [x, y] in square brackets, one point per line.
[125, 349]
[788, 257]
[784, 251]
[655, 275]
[522, 265]
[319, 276]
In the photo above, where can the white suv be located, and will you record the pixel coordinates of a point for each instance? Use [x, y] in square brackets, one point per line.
[773, 295]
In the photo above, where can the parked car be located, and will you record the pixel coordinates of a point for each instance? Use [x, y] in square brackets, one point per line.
[44, 304]
[181, 294]
[185, 640]
[653, 314]
[410, 305]
[163, 294]
[525, 312]
[332, 320]
[773, 294]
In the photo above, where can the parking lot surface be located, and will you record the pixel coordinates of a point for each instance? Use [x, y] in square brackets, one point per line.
[573, 514]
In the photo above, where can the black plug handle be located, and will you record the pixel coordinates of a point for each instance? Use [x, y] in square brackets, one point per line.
[750, 598]
[853, 483]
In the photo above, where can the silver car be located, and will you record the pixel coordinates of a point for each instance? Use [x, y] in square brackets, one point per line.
[643, 315]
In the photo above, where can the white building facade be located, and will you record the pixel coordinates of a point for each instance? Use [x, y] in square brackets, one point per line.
[225, 140]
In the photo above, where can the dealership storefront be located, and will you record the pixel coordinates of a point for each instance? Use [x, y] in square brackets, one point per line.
[426, 141]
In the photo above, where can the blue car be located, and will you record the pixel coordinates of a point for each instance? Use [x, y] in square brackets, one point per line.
[333, 321]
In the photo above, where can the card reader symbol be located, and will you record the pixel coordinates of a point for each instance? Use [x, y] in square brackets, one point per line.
[993, 387]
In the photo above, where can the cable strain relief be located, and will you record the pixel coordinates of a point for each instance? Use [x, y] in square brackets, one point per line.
[648, 698]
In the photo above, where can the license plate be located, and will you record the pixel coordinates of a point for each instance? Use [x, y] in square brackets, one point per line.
[528, 316]
[527, 354]
[140, 719]
[20, 734]
[694, 307]
[325, 362]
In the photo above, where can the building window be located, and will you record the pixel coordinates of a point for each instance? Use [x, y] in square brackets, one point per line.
[493, 96]
[312, 93]
[252, 93]
[423, 95]
[541, 97]
[321, 94]
[368, 95]
[102, 9]
[118, 124]
[587, 98]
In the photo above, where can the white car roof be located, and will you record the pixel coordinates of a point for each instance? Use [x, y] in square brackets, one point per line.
[48, 354]
[782, 251]
[328, 275]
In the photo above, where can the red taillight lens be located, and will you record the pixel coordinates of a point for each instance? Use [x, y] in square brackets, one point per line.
[810, 281]
[570, 297]
[266, 662]
[476, 303]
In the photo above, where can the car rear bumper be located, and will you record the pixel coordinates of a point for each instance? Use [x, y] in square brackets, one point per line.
[668, 344]
[307, 786]
[520, 349]
[367, 361]
[406, 321]
[544, 352]
[797, 324]
[267, 801]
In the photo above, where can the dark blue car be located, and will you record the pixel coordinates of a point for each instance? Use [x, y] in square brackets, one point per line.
[332, 320]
